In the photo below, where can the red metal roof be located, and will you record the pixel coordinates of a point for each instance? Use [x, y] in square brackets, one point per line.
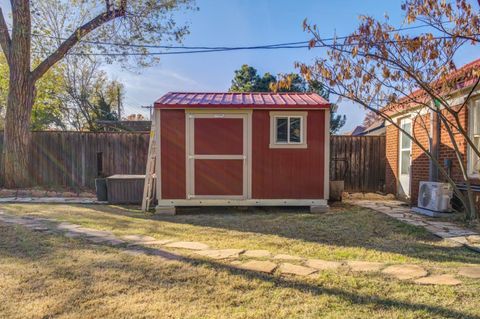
[266, 100]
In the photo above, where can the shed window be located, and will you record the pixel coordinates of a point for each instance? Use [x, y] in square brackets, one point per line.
[288, 130]
[473, 159]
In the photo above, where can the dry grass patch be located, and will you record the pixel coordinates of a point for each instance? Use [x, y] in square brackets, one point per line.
[45, 276]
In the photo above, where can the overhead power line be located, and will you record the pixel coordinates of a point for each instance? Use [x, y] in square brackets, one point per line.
[266, 47]
[154, 46]
[209, 49]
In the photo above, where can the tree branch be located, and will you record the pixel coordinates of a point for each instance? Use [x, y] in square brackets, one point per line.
[5, 40]
[73, 39]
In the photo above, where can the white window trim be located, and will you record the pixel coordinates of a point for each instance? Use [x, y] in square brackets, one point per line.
[470, 153]
[303, 129]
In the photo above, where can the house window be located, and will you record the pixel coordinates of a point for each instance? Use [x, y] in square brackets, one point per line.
[288, 129]
[473, 159]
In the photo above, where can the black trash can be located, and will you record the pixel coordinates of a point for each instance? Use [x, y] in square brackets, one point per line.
[101, 189]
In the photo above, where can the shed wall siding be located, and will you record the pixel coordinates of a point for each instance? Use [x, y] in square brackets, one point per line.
[288, 173]
[173, 154]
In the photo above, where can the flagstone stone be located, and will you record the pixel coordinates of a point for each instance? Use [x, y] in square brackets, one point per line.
[405, 271]
[193, 245]
[447, 280]
[259, 266]
[286, 257]
[323, 264]
[259, 253]
[364, 266]
[474, 239]
[470, 271]
[220, 253]
[291, 269]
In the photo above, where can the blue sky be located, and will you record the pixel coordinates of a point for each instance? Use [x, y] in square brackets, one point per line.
[250, 22]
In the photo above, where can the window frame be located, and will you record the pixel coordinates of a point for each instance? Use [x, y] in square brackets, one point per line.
[289, 114]
[471, 156]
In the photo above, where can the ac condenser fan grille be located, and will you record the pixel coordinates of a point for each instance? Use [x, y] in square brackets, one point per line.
[425, 195]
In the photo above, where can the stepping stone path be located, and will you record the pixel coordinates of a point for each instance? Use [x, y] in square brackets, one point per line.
[291, 269]
[405, 272]
[364, 266]
[470, 272]
[136, 244]
[257, 253]
[220, 253]
[445, 230]
[323, 264]
[259, 266]
[192, 245]
[447, 280]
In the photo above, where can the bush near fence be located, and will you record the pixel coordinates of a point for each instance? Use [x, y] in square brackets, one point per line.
[74, 159]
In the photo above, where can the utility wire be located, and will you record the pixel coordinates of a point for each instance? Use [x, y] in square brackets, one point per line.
[317, 45]
[209, 49]
[152, 46]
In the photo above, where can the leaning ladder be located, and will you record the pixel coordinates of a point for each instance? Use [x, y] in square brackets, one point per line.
[149, 186]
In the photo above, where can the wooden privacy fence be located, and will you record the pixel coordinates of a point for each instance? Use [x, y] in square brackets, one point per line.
[75, 159]
[359, 161]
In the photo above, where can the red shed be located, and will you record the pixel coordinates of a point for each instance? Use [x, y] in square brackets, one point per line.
[242, 149]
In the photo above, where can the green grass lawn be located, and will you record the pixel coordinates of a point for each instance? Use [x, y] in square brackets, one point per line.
[43, 276]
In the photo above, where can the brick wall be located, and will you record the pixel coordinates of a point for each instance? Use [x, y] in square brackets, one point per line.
[420, 162]
[419, 171]
[391, 159]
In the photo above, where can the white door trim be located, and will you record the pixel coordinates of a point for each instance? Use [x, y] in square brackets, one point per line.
[406, 192]
[190, 116]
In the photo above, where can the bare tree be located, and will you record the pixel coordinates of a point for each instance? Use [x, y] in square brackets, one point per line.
[144, 21]
[378, 66]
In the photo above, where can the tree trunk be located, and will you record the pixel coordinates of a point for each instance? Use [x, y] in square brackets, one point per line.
[17, 134]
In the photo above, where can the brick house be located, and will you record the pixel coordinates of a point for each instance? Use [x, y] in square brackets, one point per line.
[407, 165]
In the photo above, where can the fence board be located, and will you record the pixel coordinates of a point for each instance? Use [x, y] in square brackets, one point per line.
[359, 161]
[69, 159]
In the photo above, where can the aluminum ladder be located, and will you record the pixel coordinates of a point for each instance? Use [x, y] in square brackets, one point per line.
[149, 186]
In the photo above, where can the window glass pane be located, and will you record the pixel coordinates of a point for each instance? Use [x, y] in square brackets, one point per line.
[295, 130]
[282, 130]
[475, 164]
[405, 162]
[476, 118]
[406, 142]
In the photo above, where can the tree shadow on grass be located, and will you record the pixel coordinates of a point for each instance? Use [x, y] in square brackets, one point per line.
[148, 272]
[344, 226]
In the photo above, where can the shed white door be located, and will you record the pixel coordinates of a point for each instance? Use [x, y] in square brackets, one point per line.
[217, 156]
[405, 158]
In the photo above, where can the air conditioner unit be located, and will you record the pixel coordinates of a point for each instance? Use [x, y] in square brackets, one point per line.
[435, 197]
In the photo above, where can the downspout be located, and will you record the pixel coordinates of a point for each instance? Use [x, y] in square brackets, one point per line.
[435, 127]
